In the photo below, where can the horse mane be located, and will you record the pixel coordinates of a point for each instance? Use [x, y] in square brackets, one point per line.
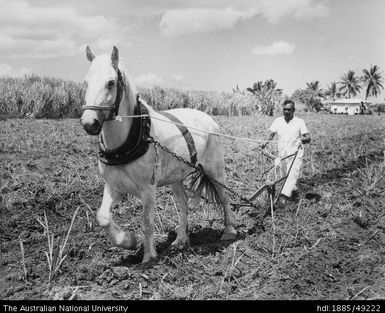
[128, 81]
[130, 85]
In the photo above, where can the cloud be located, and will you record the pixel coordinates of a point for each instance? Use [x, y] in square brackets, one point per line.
[276, 10]
[52, 32]
[177, 77]
[177, 22]
[149, 80]
[278, 47]
[8, 70]
[106, 44]
[55, 29]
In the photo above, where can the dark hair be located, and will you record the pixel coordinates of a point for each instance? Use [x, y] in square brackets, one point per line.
[288, 101]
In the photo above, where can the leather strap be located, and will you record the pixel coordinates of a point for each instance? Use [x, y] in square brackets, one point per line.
[186, 134]
[136, 144]
[113, 110]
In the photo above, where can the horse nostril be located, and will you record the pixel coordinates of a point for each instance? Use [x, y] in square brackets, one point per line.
[92, 128]
[95, 125]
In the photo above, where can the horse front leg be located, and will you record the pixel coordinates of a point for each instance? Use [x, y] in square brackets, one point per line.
[148, 203]
[118, 237]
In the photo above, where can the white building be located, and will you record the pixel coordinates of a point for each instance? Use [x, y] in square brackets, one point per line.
[348, 106]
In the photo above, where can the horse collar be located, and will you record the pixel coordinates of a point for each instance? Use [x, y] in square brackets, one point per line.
[136, 144]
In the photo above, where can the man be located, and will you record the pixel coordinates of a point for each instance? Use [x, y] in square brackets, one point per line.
[291, 132]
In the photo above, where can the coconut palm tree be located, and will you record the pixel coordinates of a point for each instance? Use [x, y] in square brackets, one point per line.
[315, 88]
[314, 95]
[257, 87]
[332, 92]
[271, 85]
[350, 84]
[267, 94]
[238, 90]
[372, 81]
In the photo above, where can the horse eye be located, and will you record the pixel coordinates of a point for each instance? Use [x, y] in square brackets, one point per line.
[110, 84]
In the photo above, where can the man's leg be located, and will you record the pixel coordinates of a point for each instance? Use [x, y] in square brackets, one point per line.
[293, 175]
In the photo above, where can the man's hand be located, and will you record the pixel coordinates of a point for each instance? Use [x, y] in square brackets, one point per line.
[269, 138]
[305, 138]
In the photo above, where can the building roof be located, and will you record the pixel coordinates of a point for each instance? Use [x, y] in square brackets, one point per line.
[348, 101]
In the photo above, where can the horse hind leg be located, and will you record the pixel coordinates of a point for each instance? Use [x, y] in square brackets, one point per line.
[214, 165]
[118, 237]
[182, 239]
[230, 232]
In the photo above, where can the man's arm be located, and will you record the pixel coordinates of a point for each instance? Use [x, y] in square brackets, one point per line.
[305, 133]
[269, 138]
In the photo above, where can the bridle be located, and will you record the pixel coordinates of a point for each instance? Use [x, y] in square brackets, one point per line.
[114, 109]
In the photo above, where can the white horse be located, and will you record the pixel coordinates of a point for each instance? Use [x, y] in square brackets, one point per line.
[109, 92]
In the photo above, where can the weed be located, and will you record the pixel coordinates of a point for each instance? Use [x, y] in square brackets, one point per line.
[23, 261]
[229, 274]
[57, 259]
[371, 175]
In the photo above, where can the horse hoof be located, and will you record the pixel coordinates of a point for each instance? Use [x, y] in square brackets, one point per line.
[127, 242]
[229, 236]
[149, 257]
[180, 244]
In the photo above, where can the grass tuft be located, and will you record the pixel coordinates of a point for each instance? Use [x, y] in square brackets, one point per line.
[55, 260]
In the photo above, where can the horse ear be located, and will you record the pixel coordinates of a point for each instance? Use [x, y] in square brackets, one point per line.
[90, 55]
[115, 57]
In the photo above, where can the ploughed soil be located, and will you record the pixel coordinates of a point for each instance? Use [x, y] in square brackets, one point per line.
[329, 243]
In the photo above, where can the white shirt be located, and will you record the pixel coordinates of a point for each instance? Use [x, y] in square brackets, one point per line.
[289, 134]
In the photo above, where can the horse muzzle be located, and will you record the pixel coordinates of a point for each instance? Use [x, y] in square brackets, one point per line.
[93, 128]
[91, 124]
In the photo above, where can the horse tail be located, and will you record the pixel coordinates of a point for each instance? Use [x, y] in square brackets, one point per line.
[203, 185]
[204, 181]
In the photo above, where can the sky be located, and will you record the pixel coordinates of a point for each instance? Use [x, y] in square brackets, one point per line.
[196, 44]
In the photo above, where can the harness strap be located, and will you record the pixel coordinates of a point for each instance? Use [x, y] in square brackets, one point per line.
[114, 110]
[119, 95]
[136, 144]
[186, 134]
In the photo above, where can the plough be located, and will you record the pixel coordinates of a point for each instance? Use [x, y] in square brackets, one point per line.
[269, 188]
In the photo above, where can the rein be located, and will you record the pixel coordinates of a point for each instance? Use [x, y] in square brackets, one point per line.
[119, 118]
[115, 108]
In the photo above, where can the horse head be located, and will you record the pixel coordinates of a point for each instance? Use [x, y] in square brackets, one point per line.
[104, 90]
